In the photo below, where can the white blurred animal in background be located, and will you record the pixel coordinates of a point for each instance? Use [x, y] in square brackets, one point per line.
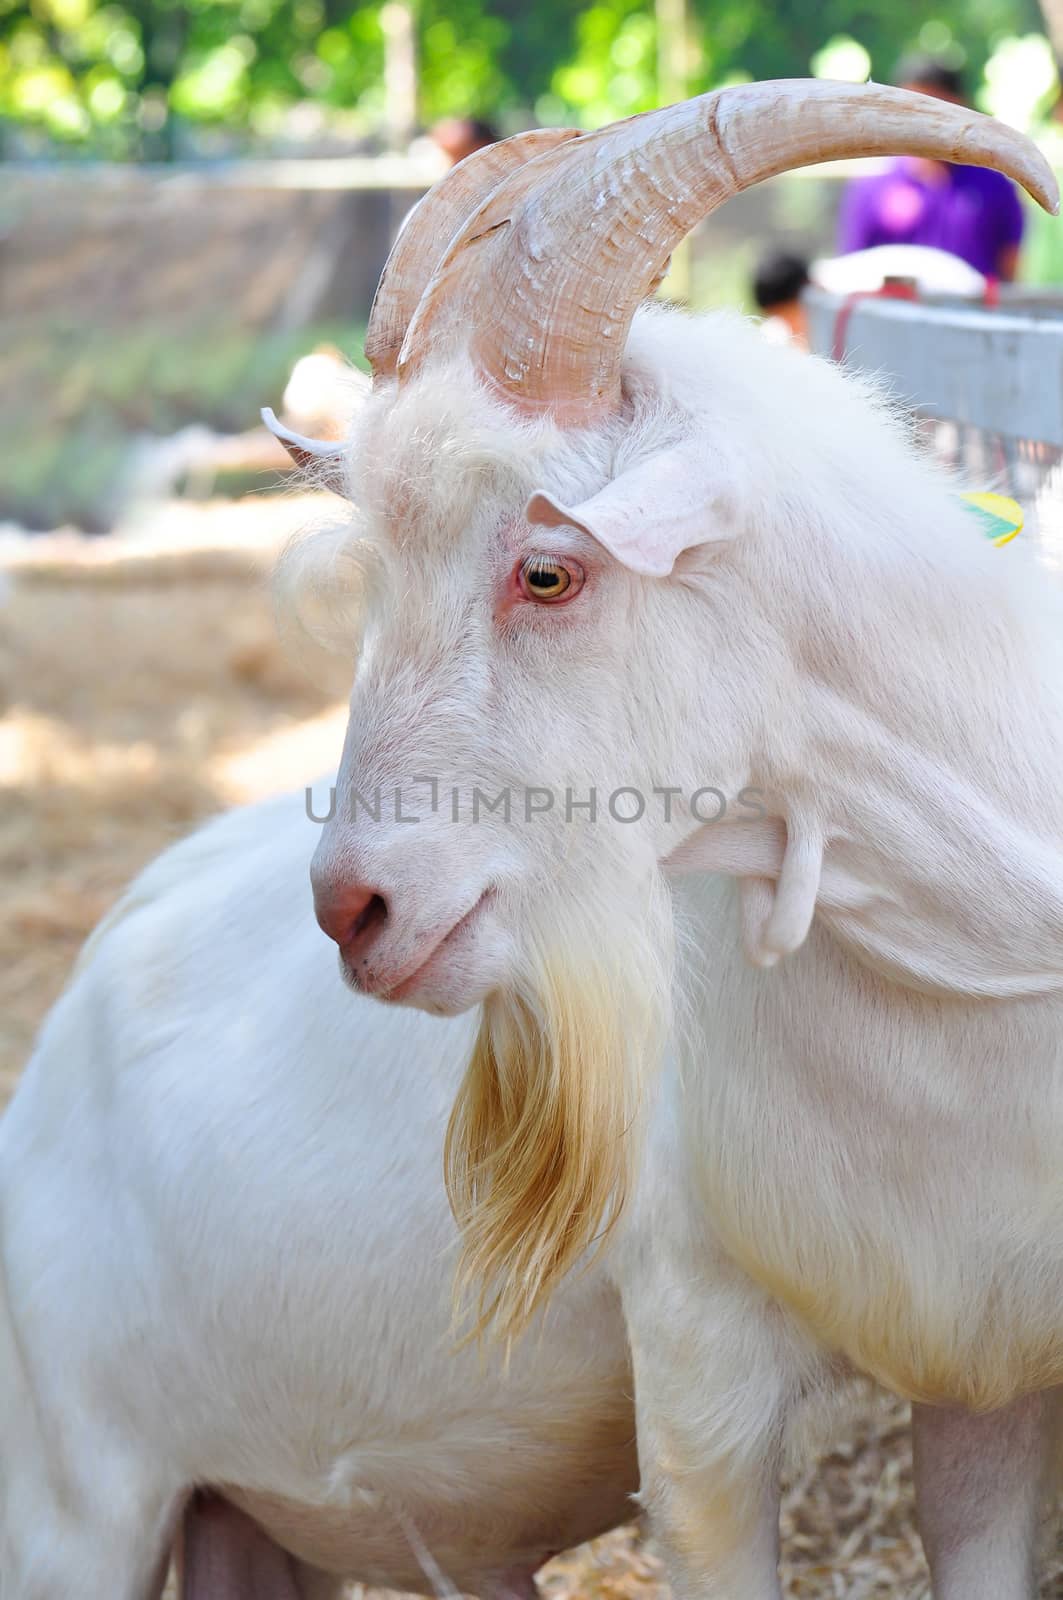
[931, 271]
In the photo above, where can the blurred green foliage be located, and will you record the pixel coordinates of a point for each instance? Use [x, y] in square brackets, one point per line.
[118, 77]
[85, 393]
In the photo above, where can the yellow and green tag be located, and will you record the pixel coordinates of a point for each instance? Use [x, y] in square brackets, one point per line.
[1000, 518]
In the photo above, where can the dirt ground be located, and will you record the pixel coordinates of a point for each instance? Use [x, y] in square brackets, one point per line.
[138, 695]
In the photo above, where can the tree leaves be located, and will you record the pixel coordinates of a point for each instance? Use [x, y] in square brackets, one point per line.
[122, 77]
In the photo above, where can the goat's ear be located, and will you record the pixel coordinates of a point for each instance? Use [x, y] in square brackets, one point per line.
[650, 514]
[322, 459]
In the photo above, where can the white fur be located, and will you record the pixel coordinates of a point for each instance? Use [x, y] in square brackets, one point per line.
[228, 1260]
[851, 1149]
[864, 1159]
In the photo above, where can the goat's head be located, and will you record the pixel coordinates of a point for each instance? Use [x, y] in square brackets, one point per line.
[546, 519]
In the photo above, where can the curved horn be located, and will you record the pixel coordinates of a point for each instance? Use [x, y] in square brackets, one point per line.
[429, 229]
[566, 262]
[323, 459]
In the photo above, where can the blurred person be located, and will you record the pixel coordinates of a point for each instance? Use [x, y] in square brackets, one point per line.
[458, 137]
[969, 211]
[444, 145]
[779, 280]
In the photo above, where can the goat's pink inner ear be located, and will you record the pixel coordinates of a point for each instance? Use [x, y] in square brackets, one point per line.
[543, 511]
[615, 525]
[671, 501]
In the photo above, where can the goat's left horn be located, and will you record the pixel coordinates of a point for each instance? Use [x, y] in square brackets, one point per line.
[550, 275]
[428, 230]
[323, 459]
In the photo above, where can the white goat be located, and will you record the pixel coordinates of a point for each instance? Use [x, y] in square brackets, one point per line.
[755, 589]
[228, 1259]
[643, 566]
[227, 1253]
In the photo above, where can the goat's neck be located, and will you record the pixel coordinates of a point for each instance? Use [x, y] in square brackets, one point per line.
[937, 865]
[935, 872]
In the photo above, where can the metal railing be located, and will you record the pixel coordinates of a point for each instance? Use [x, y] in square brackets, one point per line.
[983, 382]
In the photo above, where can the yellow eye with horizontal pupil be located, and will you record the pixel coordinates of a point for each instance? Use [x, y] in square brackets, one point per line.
[544, 578]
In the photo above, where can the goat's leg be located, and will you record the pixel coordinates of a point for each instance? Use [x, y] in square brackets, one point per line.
[713, 1383]
[516, 1583]
[719, 1536]
[224, 1555]
[979, 1485]
[317, 1585]
[83, 1510]
[61, 1539]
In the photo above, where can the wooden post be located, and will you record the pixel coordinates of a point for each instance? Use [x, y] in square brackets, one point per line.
[672, 69]
[400, 73]
[672, 50]
[1052, 12]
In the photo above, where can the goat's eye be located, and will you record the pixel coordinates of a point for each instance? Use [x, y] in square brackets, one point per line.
[548, 578]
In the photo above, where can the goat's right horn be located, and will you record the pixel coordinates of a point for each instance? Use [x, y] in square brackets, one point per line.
[429, 229]
[549, 274]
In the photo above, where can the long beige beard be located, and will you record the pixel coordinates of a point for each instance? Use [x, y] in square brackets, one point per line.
[543, 1139]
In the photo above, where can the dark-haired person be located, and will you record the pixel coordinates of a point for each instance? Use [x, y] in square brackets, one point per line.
[971, 212]
[779, 279]
[458, 137]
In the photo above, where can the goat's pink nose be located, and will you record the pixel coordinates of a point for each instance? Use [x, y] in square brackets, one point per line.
[353, 916]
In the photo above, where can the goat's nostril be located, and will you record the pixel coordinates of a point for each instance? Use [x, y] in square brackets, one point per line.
[372, 916]
[352, 916]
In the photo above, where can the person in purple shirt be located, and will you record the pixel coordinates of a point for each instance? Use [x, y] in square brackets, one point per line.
[970, 211]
